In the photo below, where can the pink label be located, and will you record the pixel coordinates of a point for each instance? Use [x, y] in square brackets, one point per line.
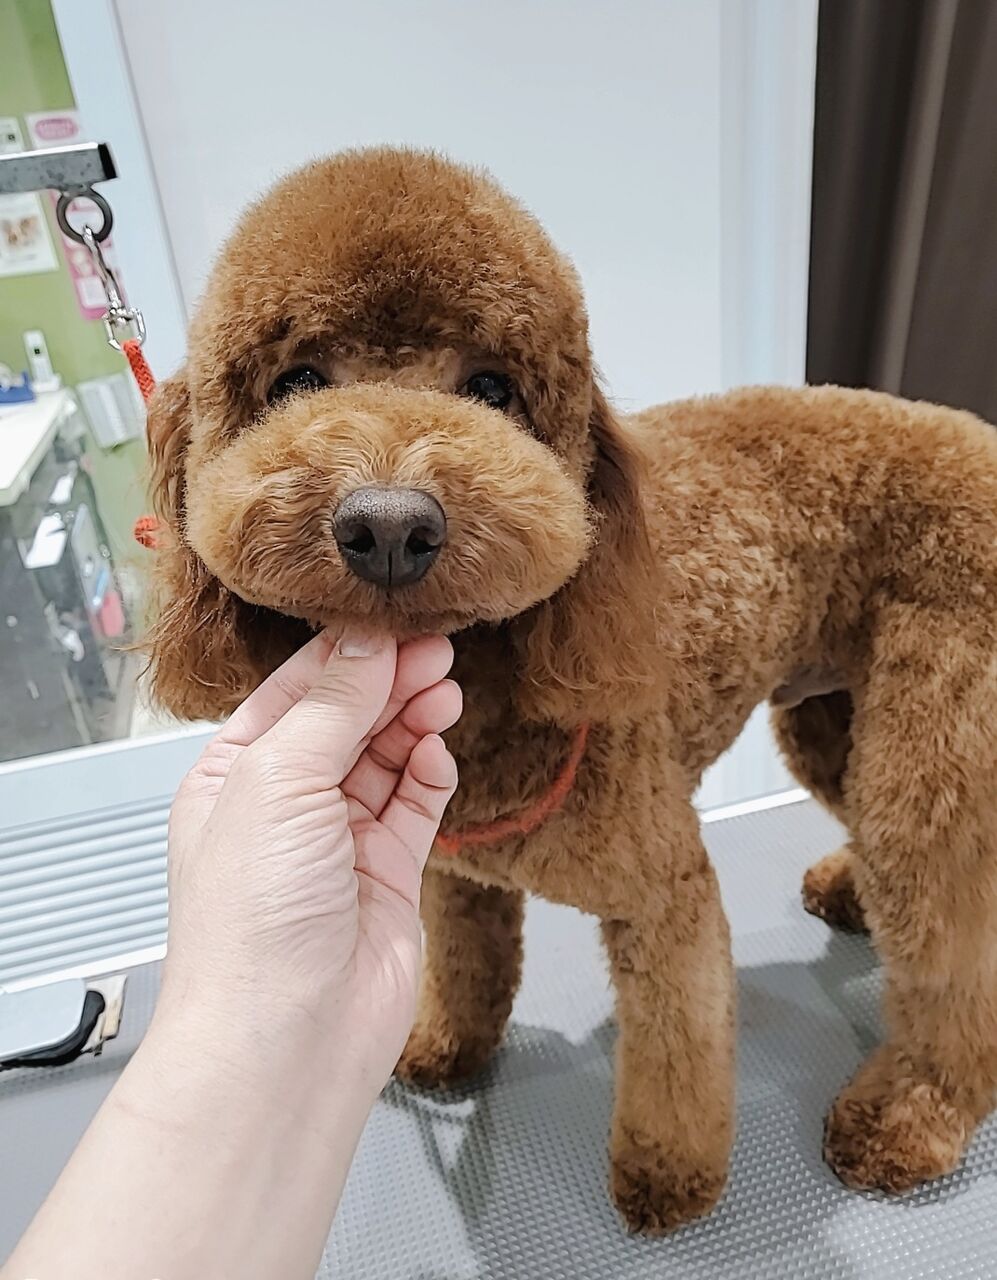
[55, 129]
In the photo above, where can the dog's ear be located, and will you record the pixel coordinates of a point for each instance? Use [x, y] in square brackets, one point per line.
[588, 652]
[168, 430]
[207, 648]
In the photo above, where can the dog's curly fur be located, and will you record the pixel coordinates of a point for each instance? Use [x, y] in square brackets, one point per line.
[658, 577]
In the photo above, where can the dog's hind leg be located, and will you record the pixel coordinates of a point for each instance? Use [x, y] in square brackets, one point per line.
[470, 974]
[673, 1115]
[923, 802]
[830, 891]
[816, 738]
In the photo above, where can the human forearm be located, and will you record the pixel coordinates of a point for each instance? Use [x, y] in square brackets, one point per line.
[215, 1155]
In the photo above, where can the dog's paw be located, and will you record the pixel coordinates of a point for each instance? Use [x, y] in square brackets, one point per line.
[432, 1061]
[829, 892]
[655, 1198]
[889, 1131]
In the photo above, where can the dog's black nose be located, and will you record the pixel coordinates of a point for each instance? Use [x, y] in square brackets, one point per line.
[389, 536]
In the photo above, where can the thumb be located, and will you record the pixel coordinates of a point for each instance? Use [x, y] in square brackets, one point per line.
[334, 719]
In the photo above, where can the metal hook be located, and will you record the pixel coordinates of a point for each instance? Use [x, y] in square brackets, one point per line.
[72, 171]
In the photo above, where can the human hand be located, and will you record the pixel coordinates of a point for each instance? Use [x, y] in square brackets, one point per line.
[297, 844]
[296, 850]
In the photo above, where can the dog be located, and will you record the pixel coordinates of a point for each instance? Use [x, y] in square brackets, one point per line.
[389, 415]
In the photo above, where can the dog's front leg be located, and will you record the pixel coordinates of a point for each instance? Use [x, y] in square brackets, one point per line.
[470, 974]
[673, 1117]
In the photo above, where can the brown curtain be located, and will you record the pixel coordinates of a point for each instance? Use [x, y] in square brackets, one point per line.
[903, 264]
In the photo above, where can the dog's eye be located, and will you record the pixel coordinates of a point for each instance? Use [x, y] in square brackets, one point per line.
[492, 389]
[294, 381]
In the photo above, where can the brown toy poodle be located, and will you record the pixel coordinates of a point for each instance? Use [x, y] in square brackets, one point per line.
[389, 414]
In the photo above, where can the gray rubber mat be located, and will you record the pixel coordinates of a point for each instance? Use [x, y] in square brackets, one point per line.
[507, 1178]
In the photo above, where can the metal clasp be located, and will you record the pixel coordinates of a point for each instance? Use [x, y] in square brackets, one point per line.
[120, 322]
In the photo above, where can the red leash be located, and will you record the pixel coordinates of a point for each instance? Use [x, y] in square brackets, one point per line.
[132, 349]
[450, 845]
[144, 529]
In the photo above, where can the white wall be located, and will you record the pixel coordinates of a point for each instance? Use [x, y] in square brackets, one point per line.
[604, 119]
[664, 143]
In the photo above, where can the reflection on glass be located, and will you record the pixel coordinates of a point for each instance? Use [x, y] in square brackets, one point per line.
[72, 453]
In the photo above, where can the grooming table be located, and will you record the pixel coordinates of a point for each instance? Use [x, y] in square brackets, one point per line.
[506, 1179]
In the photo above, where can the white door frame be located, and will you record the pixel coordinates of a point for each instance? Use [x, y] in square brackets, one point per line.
[768, 65]
[768, 62]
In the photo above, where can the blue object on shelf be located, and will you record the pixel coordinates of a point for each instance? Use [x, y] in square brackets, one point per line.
[19, 391]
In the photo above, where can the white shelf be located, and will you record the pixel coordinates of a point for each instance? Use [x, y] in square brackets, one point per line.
[26, 431]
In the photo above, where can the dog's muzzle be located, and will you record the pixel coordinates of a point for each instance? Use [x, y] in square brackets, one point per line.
[389, 536]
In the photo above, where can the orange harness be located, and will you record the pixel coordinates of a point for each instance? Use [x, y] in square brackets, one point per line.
[448, 844]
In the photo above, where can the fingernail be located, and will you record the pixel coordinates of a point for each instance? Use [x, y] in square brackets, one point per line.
[354, 643]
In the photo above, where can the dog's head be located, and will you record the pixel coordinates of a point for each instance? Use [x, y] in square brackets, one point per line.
[388, 416]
